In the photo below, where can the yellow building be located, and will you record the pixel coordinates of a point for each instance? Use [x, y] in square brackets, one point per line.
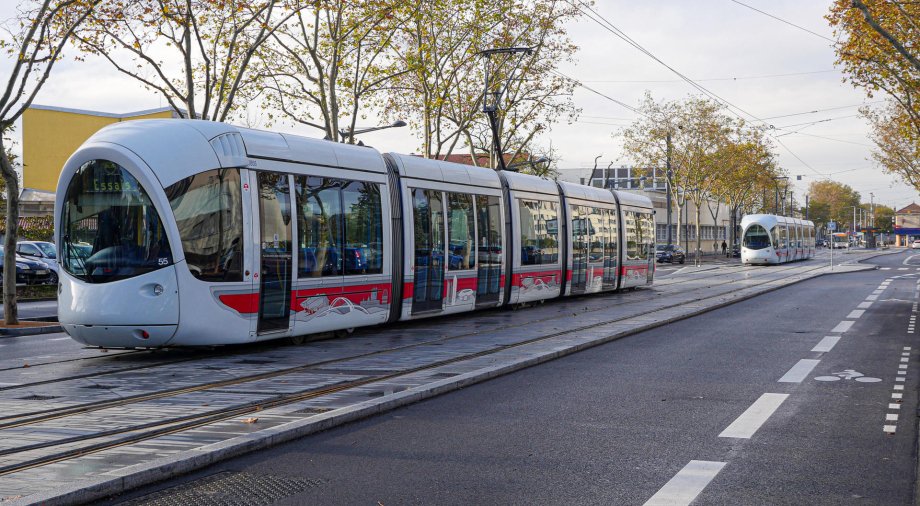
[51, 134]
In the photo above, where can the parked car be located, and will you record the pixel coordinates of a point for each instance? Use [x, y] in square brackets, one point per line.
[670, 253]
[736, 251]
[43, 252]
[29, 271]
[915, 244]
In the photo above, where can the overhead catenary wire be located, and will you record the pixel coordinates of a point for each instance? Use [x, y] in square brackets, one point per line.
[816, 34]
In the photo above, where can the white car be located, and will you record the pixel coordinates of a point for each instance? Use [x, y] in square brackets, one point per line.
[915, 244]
[42, 251]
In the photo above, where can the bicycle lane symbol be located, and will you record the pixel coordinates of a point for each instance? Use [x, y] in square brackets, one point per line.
[849, 374]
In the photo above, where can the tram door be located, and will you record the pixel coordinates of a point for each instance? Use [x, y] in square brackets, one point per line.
[428, 214]
[580, 242]
[275, 244]
[489, 253]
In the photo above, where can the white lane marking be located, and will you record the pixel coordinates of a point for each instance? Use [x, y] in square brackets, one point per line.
[799, 371]
[891, 417]
[872, 297]
[877, 292]
[894, 406]
[9, 384]
[843, 326]
[753, 417]
[885, 268]
[899, 387]
[60, 338]
[686, 484]
[900, 379]
[826, 344]
[902, 366]
[864, 305]
[902, 372]
[905, 359]
[896, 396]
[856, 313]
[902, 268]
[889, 429]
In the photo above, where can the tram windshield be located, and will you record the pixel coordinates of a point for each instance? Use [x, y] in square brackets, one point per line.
[756, 237]
[110, 228]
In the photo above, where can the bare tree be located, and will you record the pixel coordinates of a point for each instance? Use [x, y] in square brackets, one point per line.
[34, 44]
[208, 44]
[326, 66]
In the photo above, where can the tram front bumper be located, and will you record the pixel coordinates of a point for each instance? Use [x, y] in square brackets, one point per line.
[121, 336]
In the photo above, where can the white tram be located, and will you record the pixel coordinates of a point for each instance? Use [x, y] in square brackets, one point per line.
[771, 239]
[183, 232]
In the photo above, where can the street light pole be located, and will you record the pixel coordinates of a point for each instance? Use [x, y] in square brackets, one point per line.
[668, 186]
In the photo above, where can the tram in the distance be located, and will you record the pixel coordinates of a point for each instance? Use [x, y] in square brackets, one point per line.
[771, 239]
[184, 232]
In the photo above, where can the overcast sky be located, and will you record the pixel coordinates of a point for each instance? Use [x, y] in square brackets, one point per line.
[724, 46]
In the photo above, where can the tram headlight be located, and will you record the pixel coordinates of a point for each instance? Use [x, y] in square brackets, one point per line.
[158, 289]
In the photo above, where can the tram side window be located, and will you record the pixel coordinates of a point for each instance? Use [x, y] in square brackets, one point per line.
[539, 232]
[610, 247]
[648, 234]
[363, 252]
[110, 228]
[208, 208]
[597, 227]
[631, 229]
[490, 230]
[319, 227]
[461, 231]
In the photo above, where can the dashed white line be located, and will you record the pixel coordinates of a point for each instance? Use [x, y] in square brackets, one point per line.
[885, 269]
[856, 313]
[864, 305]
[905, 359]
[753, 417]
[900, 379]
[902, 268]
[60, 338]
[843, 326]
[799, 371]
[872, 297]
[899, 387]
[891, 417]
[826, 344]
[889, 429]
[897, 396]
[894, 406]
[686, 484]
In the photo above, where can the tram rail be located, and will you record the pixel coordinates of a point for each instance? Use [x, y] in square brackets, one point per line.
[137, 433]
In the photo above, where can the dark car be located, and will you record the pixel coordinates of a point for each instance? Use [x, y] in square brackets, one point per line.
[28, 271]
[736, 251]
[669, 253]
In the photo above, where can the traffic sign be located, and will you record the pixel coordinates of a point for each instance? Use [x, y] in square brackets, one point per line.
[832, 226]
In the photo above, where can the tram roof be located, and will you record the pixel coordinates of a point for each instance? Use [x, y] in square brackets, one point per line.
[591, 193]
[633, 199]
[769, 220]
[449, 172]
[178, 148]
[529, 183]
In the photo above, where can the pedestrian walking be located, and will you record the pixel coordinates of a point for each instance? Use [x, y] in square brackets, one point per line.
[724, 246]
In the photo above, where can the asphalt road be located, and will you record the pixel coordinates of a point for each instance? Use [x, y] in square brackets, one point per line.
[725, 405]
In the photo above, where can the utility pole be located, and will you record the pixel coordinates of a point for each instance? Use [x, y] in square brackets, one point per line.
[668, 185]
[492, 94]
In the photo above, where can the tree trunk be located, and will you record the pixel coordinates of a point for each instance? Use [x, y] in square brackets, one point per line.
[10, 310]
[699, 237]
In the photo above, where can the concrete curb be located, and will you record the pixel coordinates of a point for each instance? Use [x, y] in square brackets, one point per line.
[175, 465]
[31, 331]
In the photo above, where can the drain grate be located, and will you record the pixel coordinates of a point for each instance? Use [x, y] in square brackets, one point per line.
[253, 361]
[36, 397]
[228, 489]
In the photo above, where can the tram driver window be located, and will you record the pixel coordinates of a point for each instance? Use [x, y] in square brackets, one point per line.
[208, 208]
